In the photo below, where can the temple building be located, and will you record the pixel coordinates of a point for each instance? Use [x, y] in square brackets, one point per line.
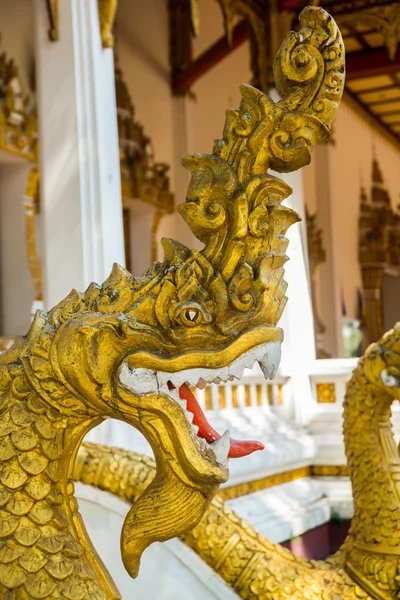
[99, 102]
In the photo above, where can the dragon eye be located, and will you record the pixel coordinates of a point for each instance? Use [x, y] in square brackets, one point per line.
[192, 316]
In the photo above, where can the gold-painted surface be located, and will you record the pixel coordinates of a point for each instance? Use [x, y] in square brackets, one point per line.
[259, 394]
[194, 14]
[270, 394]
[31, 205]
[326, 393]
[280, 393]
[52, 11]
[96, 466]
[379, 248]
[107, 13]
[126, 474]
[208, 403]
[63, 378]
[235, 397]
[330, 471]
[221, 398]
[250, 487]
[366, 565]
[18, 120]
[247, 396]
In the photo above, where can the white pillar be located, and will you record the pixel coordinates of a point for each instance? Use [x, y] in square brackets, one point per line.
[298, 351]
[79, 156]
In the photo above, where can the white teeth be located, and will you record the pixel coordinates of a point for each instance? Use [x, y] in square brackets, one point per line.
[201, 384]
[196, 429]
[264, 366]
[270, 362]
[250, 362]
[189, 416]
[221, 448]
[141, 381]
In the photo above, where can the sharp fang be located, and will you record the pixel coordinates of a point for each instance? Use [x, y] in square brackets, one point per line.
[270, 362]
[264, 366]
[189, 416]
[201, 384]
[249, 363]
[196, 429]
[221, 448]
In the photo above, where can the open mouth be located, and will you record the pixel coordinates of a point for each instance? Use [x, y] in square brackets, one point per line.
[203, 429]
[177, 386]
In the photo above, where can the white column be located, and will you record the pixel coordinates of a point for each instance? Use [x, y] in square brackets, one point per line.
[79, 157]
[298, 351]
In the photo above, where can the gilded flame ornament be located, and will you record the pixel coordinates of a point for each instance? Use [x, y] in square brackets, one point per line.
[130, 348]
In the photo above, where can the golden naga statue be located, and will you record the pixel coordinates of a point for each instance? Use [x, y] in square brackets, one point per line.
[129, 350]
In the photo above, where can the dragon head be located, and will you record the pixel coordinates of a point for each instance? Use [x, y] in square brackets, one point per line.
[382, 364]
[131, 348]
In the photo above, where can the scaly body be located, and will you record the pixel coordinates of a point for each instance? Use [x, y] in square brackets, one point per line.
[44, 551]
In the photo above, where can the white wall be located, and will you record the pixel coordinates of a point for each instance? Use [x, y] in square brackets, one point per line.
[17, 291]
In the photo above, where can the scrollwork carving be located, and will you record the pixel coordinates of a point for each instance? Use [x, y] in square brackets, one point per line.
[107, 13]
[18, 120]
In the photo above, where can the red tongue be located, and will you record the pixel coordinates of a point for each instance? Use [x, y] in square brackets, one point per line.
[237, 448]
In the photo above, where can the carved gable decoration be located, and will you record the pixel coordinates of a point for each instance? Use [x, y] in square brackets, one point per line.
[18, 126]
[379, 226]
